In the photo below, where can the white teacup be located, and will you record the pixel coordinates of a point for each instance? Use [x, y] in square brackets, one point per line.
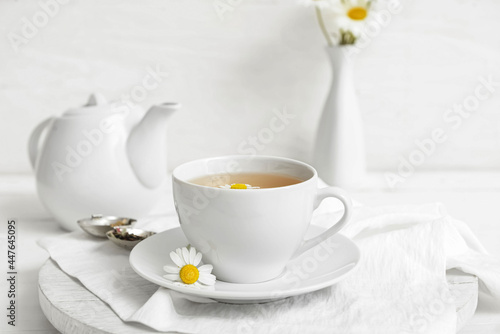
[250, 235]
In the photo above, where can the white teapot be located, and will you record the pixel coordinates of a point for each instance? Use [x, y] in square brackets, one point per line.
[108, 158]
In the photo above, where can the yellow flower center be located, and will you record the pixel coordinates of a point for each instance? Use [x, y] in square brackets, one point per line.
[357, 13]
[238, 186]
[189, 274]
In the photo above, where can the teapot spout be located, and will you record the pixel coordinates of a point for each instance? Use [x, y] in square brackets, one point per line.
[147, 145]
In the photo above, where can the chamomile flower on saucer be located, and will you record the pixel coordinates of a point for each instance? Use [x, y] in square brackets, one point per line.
[238, 186]
[186, 271]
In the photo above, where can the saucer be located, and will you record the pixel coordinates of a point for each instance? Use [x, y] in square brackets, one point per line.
[319, 267]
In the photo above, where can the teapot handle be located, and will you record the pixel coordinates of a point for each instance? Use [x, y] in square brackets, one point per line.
[33, 143]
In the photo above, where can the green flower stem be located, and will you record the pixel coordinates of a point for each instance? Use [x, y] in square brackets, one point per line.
[322, 26]
[347, 37]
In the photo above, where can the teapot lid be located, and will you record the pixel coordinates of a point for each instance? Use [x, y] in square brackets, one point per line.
[96, 103]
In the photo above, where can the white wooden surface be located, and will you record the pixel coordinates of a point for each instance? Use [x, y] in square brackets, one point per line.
[477, 206]
[73, 309]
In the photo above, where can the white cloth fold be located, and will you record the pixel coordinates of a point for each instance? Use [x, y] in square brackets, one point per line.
[398, 287]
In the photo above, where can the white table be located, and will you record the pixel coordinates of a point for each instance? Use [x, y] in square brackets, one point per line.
[479, 207]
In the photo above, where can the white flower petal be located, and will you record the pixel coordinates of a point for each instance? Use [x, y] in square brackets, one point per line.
[207, 279]
[195, 285]
[177, 259]
[192, 255]
[172, 277]
[178, 251]
[180, 283]
[206, 268]
[197, 259]
[185, 255]
[171, 269]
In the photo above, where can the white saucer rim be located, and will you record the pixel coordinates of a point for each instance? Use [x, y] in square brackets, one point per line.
[246, 295]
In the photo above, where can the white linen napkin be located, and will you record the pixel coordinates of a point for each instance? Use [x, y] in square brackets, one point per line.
[398, 287]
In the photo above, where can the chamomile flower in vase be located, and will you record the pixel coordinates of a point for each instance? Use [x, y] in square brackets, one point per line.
[339, 153]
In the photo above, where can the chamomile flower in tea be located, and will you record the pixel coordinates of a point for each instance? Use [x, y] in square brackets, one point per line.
[238, 186]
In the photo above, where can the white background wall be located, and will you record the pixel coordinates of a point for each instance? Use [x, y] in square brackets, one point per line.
[231, 73]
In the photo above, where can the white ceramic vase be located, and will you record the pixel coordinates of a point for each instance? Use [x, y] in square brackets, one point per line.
[339, 155]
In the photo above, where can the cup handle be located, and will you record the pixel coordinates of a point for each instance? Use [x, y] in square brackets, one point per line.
[323, 193]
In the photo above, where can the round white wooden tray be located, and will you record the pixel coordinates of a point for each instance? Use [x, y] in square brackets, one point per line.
[72, 309]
